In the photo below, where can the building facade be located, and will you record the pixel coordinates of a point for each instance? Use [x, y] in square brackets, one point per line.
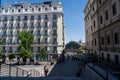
[44, 20]
[102, 19]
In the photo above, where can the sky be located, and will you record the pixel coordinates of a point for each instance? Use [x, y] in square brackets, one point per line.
[73, 16]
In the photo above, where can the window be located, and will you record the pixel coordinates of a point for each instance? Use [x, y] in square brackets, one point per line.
[100, 1]
[18, 10]
[18, 18]
[54, 31]
[38, 24]
[102, 39]
[38, 48]
[92, 42]
[39, 40]
[32, 17]
[94, 24]
[93, 8]
[45, 32]
[106, 15]
[12, 18]
[114, 9]
[45, 40]
[12, 10]
[108, 40]
[5, 25]
[116, 38]
[95, 42]
[32, 25]
[11, 25]
[101, 20]
[39, 9]
[91, 28]
[5, 18]
[108, 57]
[46, 17]
[54, 16]
[18, 25]
[54, 24]
[25, 18]
[38, 31]
[54, 40]
[25, 25]
[55, 49]
[39, 17]
[46, 9]
[87, 31]
[46, 24]
[116, 59]
[32, 9]
[102, 56]
[26, 10]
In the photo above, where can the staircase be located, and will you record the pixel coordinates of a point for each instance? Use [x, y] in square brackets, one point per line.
[12, 71]
[39, 78]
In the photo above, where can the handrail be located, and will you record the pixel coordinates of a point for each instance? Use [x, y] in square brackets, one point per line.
[9, 70]
[17, 67]
[104, 74]
[34, 73]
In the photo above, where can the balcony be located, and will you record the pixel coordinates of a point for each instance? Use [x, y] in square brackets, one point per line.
[54, 34]
[45, 34]
[54, 26]
[18, 19]
[55, 43]
[54, 18]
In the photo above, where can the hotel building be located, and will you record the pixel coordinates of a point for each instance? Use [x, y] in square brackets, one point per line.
[44, 20]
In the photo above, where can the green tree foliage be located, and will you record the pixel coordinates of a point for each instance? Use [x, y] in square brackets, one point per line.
[25, 47]
[79, 50]
[42, 54]
[1, 54]
[64, 51]
[1, 41]
[11, 56]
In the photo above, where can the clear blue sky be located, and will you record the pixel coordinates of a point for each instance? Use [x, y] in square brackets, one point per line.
[73, 15]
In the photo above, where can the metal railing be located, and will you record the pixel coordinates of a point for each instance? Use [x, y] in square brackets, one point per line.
[34, 73]
[9, 70]
[103, 73]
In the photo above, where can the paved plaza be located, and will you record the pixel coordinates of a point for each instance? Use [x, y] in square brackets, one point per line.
[39, 68]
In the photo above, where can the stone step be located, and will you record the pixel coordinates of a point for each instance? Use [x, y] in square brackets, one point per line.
[39, 78]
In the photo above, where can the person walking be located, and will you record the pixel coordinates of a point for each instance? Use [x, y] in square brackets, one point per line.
[45, 71]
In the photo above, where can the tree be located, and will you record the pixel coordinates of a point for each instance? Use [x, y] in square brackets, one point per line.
[1, 54]
[24, 48]
[11, 56]
[42, 54]
[79, 50]
[1, 41]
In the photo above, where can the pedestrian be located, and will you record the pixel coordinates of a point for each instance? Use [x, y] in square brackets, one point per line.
[45, 70]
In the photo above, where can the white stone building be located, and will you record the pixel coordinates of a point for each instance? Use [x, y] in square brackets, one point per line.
[45, 20]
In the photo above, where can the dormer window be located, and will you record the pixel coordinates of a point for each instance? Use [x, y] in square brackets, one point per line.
[55, 8]
[18, 10]
[39, 9]
[26, 10]
[12, 10]
[32, 9]
[6, 10]
[46, 8]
